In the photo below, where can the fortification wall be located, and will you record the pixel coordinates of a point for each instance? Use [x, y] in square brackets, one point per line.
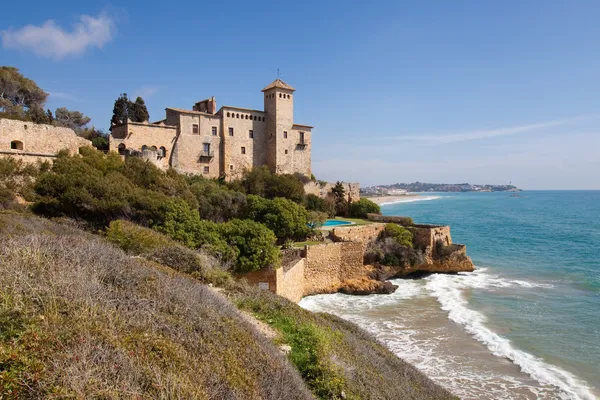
[357, 233]
[37, 141]
[352, 190]
[330, 264]
[136, 135]
[291, 283]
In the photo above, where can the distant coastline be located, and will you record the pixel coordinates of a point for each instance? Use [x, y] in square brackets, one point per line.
[382, 200]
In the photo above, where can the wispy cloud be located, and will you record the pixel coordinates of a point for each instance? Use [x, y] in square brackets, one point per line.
[485, 134]
[145, 91]
[63, 96]
[53, 41]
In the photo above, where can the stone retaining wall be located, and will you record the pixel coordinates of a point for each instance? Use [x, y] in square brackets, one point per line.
[330, 264]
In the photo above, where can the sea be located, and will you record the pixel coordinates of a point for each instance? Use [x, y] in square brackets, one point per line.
[525, 324]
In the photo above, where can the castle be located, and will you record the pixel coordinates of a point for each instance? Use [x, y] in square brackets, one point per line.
[223, 143]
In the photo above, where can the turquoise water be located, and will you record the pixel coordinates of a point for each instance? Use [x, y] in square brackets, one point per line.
[533, 302]
[333, 222]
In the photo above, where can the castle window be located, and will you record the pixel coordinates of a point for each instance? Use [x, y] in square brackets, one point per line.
[206, 148]
[285, 151]
[285, 134]
[144, 148]
[16, 145]
[231, 167]
[206, 170]
[230, 131]
[279, 95]
[195, 129]
[301, 138]
[162, 151]
[255, 117]
[243, 150]
[122, 148]
[289, 97]
[214, 131]
[251, 134]
[228, 114]
[246, 117]
[25, 126]
[237, 115]
[263, 119]
[153, 148]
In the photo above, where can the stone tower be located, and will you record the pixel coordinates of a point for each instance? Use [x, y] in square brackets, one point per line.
[279, 107]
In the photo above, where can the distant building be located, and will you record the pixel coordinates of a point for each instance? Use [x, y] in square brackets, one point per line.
[224, 142]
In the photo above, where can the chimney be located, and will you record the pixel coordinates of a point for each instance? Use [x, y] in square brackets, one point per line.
[207, 106]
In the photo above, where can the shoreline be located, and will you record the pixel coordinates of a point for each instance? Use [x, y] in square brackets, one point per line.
[382, 200]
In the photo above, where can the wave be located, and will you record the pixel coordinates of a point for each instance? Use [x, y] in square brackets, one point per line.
[448, 291]
[411, 200]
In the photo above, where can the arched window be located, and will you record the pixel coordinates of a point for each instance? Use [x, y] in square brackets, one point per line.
[289, 97]
[162, 151]
[237, 115]
[16, 145]
[279, 95]
[144, 147]
[228, 114]
[255, 117]
[263, 119]
[246, 117]
[122, 148]
[153, 148]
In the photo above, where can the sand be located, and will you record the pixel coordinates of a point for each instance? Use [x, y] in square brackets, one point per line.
[392, 199]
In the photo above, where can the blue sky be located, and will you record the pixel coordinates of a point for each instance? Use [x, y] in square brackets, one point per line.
[435, 91]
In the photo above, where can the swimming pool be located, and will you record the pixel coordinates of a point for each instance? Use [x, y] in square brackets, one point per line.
[335, 222]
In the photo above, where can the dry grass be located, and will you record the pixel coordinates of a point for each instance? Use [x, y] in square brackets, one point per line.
[336, 358]
[81, 319]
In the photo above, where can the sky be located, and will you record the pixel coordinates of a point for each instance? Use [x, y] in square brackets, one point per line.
[432, 91]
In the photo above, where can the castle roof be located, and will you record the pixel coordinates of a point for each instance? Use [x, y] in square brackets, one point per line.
[278, 83]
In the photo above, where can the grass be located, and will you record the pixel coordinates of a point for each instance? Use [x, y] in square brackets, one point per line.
[79, 318]
[306, 243]
[357, 221]
[336, 358]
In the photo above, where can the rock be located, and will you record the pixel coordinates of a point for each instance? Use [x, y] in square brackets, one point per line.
[365, 286]
[285, 349]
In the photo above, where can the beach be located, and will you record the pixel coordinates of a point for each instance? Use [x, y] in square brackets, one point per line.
[393, 199]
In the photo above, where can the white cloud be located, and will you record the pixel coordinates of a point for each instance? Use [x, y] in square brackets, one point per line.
[63, 96]
[53, 41]
[145, 91]
[476, 135]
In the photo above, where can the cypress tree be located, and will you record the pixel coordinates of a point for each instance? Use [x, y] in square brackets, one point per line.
[120, 110]
[139, 111]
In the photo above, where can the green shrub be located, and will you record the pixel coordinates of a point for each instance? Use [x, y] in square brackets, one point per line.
[135, 239]
[401, 235]
[316, 219]
[262, 182]
[315, 203]
[253, 243]
[199, 265]
[362, 207]
[216, 202]
[288, 220]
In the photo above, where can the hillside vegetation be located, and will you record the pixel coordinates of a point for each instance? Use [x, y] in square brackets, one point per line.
[81, 318]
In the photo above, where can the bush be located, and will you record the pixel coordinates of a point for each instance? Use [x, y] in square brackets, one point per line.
[288, 220]
[253, 243]
[201, 266]
[216, 202]
[262, 182]
[315, 203]
[316, 219]
[362, 207]
[401, 235]
[135, 239]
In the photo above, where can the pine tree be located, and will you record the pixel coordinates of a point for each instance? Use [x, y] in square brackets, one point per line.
[121, 110]
[50, 116]
[139, 112]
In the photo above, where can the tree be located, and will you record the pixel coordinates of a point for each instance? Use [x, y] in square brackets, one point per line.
[71, 119]
[360, 209]
[17, 93]
[37, 115]
[120, 110]
[315, 203]
[339, 196]
[49, 116]
[139, 112]
[125, 109]
[287, 219]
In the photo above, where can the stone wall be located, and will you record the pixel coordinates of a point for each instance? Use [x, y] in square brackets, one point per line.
[425, 238]
[190, 157]
[357, 233]
[136, 135]
[324, 190]
[234, 161]
[37, 141]
[291, 283]
[330, 264]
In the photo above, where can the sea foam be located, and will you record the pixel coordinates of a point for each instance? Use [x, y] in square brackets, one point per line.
[448, 291]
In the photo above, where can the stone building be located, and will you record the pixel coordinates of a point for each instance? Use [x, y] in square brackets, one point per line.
[224, 142]
[32, 142]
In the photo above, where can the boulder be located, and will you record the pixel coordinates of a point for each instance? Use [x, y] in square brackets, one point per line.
[365, 286]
